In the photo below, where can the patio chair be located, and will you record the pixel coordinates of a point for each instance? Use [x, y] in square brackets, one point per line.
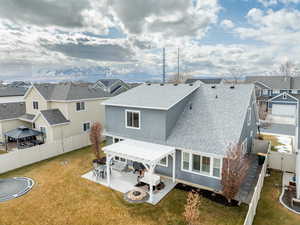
[119, 166]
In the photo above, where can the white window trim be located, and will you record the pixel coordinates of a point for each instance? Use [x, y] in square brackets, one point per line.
[249, 116]
[133, 111]
[80, 110]
[83, 126]
[276, 92]
[167, 162]
[34, 104]
[245, 145]
[190, 170]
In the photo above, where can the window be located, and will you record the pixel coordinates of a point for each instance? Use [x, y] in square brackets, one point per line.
[244, 146]
[43, 130]
[116, 140]
[294, 91]
[132, 119]
[185, 161]
[284, 95]
[33, 125]
[249, 116]
[265, 92]
[196, 163]
[86, 126]
[164, 162]
[217, 167]
[205, 165]
[35, 105]
[80, 106]
[117, 158]
[276, 92]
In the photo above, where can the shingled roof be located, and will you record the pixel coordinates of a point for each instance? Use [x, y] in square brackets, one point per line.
[54, 116]
[69, 91]
[12, 110]
[9, 91]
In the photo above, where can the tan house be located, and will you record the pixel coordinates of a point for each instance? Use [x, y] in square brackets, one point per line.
[57, 110]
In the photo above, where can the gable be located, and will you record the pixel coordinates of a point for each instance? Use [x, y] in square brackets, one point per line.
[284, 97]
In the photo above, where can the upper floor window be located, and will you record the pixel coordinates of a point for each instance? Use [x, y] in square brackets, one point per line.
[132, 119]
[86, 126]
[80, 106]
[275, 92]
[294, 91]
[35, 105]
[265, 92]
[249, 116]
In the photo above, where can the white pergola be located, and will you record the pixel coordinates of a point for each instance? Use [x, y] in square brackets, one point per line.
[148, 154]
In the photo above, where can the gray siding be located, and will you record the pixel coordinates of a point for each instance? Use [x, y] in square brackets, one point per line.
[211, 183]
[153, 123]
[246, 131]
[174, 113]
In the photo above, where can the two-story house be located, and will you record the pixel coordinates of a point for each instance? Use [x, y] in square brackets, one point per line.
[180, 131]
[112, 86]
[271, 92]
[57, 110]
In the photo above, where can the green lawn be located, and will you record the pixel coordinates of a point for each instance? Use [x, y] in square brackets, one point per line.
[270, 211]
[61, 196]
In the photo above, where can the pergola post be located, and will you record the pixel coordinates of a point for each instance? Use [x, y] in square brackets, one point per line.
[174, 169]
[108, 159]
[151, 170]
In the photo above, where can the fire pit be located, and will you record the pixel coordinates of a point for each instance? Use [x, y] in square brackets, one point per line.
[136, 196]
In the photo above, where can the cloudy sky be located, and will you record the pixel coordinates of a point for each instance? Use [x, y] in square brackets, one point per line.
[72, 39]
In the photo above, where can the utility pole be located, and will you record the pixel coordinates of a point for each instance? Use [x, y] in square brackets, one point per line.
[178, 76]
[164, 65]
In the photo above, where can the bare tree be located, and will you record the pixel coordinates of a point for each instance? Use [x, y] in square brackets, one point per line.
[235, 73]
[96, 138]
[235, 167]
[287, 69]
[191, 209]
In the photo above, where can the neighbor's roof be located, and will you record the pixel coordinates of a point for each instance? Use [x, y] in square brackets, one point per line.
[9, 91]
[108, 82]
[70, 91]
[155, 96]
[54, 116]
[274, 82]
[27, 117]
[295, 83]
[215, 120]
[12, 110]
[204, 80]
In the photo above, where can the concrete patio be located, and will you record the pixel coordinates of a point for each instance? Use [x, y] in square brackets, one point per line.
[126, 181]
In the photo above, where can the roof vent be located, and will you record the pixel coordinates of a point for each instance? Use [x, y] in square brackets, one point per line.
[149, 84]
[191, 84]
[216, 96]
[191, 106]
[161, 84]
[175, 84]
[214, 86]
[232, 87]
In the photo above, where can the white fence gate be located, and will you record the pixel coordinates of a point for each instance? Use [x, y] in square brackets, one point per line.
[24, 157]
[282, 161]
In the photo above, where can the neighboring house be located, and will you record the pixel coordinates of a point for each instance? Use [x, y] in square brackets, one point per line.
[269, 91]
[204, 80]
[11, 94]
[196, 120]
[58, 110]
[112, 86]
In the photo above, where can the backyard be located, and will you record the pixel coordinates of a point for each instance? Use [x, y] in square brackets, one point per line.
[61, 196]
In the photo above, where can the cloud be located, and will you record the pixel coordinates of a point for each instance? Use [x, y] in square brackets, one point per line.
[227, 24]
[267, 3]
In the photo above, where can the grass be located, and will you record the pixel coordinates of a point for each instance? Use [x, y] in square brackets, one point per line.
[61, 196]
[2, 152]
[270, 211]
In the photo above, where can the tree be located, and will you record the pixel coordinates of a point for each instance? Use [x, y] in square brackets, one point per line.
[191, 209]
[96, 138]
[287, 69]
[235, 167]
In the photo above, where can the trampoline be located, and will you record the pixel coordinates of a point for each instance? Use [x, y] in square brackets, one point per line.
[15, 187]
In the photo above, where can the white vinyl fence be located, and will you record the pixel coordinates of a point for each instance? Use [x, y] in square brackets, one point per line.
[257, 191]
[282, 161]
[255, 198]
[24, 157]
